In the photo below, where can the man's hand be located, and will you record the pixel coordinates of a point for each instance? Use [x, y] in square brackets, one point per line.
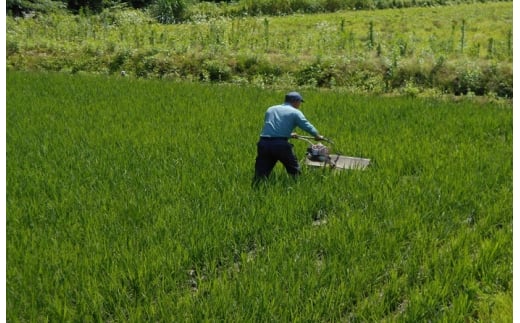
[319, 137]
[294, 135]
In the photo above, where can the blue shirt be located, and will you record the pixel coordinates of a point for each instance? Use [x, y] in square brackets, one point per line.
[280, 121]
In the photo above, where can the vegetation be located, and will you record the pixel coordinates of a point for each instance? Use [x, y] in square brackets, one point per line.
[182, 10]
[460, 49]
[130, 200]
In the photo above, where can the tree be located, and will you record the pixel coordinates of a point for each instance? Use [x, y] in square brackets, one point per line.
[19, 8]
[94, 6]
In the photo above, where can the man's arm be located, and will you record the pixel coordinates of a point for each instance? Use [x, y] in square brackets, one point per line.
[306, 126]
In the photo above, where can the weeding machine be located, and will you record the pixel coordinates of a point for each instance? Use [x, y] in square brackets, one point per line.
[318, 155]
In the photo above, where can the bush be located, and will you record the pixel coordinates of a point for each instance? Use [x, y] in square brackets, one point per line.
[169, 11]
[215, 70]
[468, 79]
[11, 47]
[317, 74]
[118, 61]
[203, 11]
[253, 65]
[498, 79]
[332, 5]
[125, 17]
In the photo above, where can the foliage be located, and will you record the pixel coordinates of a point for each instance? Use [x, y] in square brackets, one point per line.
[380, 51]
[89, 6]
[130, 200]
[175, 11]
[18, 8]
[169, 11]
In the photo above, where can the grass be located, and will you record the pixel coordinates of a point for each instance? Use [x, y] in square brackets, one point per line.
[130, 200]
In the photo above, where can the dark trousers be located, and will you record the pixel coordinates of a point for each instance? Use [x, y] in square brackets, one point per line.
[270, 151]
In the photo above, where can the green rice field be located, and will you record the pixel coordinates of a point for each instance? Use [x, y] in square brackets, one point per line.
[130, 200]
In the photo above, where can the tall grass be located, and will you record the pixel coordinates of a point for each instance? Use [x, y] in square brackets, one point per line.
[130, 200]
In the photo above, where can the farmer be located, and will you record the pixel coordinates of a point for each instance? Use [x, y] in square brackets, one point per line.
[279, 122]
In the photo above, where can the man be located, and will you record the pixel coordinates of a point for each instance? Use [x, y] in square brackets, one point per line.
[279, 123]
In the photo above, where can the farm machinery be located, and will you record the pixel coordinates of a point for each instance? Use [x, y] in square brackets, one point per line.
[319, 155]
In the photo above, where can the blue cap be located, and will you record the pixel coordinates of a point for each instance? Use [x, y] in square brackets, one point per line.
[293, 96]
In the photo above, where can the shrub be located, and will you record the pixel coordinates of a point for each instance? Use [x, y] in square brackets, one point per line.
[498, 79]
[11, 47]
[215, 70]
[332, 5]
[169, 11]
[468, 79]
[317, 74]
[124, 17]
[254, 65]
[203, 11]
[118, 60]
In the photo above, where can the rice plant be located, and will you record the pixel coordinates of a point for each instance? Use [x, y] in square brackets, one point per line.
[130, 200]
